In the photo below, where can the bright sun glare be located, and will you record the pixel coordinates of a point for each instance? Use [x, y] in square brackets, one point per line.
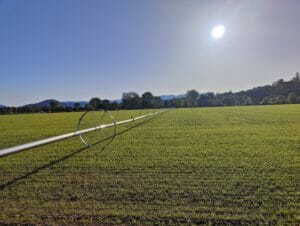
[218, 32]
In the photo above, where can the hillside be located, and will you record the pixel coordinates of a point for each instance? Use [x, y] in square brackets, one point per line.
[279, 88]
[47, 103]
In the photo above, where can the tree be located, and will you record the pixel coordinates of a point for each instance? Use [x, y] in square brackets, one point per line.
[167, 103]
[228, 100]
[204, 100]
[278, 82]
[296, 78]
[131, 100]
[247, 101]
[147, 100]
[292, 98]
[192, 98]
[95, 102]
[88, 107]
[54, 105]
[158, 102]
[274, 100]
[105, 104]
[114, 106]
[279, 100]
[178, 102]
[265, 101]
[45, 109]
[76, 107]
[68, 109]
[217, 100]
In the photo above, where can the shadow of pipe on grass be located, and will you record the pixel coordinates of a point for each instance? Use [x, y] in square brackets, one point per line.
[56, 161]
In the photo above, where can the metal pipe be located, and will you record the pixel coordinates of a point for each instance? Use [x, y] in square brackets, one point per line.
[19, 148]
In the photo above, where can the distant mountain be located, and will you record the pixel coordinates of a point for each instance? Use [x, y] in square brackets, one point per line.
[2, 106]
[46, 103]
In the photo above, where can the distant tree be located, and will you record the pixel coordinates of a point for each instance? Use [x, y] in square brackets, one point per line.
[217, 100]
[292, 98]
[158, 102]
[105, 104]
[68, 108]
[211, 95]
[131, 100]
[178, 102]
[9, 110]
[77, 106]
[228, 100]
[87, 107]
[167, 104]
[192, 98]
[45, 109]
[147, 100]
[204, 100]
[114, 106]
[247, 101]
[296, 78]
[265, 101]
[4, 110]
[279, 100]
[279, 81]
[274, 100]
[54, 106]
[12, 110]
[95, 103]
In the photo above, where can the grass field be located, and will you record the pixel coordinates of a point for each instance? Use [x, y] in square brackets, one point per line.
[234, 165]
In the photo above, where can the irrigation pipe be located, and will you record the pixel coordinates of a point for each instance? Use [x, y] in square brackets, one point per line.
[19, 148]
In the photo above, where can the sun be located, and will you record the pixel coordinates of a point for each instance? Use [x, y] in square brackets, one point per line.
[218, 32]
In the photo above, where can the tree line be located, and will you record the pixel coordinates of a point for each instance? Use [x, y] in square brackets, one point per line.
[280, 92]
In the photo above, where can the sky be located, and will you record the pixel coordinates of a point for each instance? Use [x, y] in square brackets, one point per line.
[78, 49]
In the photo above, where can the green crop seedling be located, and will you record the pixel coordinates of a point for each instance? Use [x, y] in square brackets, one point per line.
[235, 165]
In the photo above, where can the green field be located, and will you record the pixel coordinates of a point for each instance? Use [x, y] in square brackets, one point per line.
[234, 165]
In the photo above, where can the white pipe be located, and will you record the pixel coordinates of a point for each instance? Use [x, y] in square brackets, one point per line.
[19, 148]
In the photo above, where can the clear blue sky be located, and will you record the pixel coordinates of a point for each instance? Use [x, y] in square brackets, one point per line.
[75, 50]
